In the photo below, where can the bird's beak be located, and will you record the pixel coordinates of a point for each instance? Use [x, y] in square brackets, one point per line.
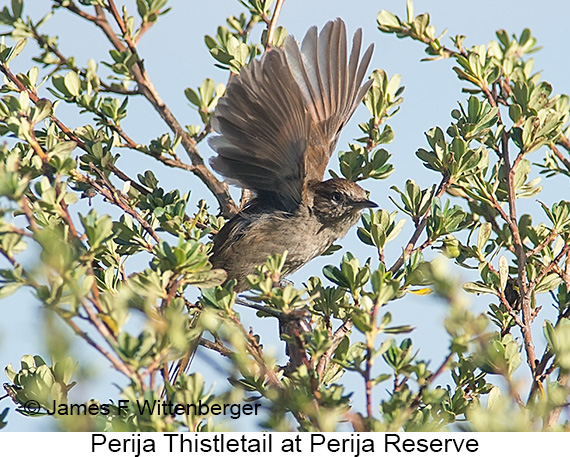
[361, 204]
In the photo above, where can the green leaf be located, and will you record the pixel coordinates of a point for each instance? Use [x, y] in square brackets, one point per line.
[16, 50]
[72, 83]
[503, 271]
[9, 289]
[387, 20]
[515, 112]
[410, 10]
[549, 282]
[478, 287]
[550, 334]
[484, 235]
[42, 110]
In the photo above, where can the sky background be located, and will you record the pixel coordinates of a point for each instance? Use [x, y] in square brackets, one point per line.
[176, 58]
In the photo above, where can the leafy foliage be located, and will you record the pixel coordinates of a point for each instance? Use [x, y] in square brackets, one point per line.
[87, 280]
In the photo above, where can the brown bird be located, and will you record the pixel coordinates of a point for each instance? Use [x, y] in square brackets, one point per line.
[278, 124]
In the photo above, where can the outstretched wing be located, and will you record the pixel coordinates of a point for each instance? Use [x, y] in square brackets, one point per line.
[263, 128]
[331, 88]
[280, 118]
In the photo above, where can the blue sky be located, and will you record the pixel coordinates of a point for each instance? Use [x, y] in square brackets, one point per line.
[176, 58]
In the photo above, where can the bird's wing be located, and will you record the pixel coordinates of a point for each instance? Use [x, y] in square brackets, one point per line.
[331, 86]
[280, 118]
[263, 129]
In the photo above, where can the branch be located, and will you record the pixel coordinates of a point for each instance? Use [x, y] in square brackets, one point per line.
[539, 247]
[34, 98]
[564, 141]
[112, 195]
[549, 267]
[273, 24]
[170, 162]
[338, 336]
[541, 374]
[416, 401]
[370, 337]
[117, 363]
[443, 186]
[93, 318]
[511, 220]
[64, 61]
[35, 145]
[147, 89]
[553, 416]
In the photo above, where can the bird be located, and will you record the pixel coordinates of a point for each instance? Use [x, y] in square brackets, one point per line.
[276, 127]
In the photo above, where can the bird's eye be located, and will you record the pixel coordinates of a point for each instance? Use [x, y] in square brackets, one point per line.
[336, 197]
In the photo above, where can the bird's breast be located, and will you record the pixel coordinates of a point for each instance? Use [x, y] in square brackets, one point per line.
[300, 234]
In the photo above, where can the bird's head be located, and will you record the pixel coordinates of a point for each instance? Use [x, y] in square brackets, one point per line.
[338, 202]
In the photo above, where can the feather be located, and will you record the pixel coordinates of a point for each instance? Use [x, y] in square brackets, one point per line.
[331, 88]
[280, 119]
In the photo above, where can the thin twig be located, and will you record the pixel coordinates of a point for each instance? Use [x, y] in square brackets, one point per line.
[273, 24]
[443, 186]
[564, 142]
[121, 201]
[370, 337]
[117, 363]
[146, 87]
[565, 250]
[559, 154]
[511, 220]
[64, 61]
[337, 338]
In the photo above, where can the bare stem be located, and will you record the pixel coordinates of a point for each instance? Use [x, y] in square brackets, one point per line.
[559, 154]
[117, 363]
[511, 220]
[337, 337]
[273, 23]
[443, 186]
